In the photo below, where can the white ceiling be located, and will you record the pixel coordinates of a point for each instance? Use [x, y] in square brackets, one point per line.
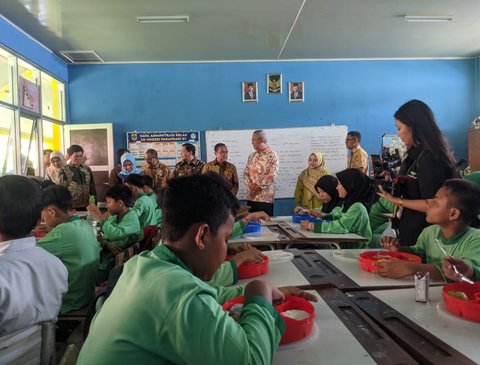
[250, 29]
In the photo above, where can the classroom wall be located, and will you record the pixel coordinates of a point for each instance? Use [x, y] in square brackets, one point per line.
[205, 96]
[30, 50]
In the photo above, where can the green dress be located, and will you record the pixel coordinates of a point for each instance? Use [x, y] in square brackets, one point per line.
[75, 244]
[160, 313]
[158, 211]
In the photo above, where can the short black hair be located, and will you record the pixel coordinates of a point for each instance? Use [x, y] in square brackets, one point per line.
[219, 145]
[189, 147]
[465, 196]
[46, 183]
[134, 179]
[152, 152]
[147, 181]
[195, 199]
[120, 192]
[250, 84]
[74, 148]
[356, 135]
[58, 196]
[20, 206]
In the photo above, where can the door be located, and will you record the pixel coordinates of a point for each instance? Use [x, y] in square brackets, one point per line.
[97, 143]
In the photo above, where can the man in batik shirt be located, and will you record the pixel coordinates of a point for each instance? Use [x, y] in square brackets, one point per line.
[260, 174]
[159, 172]
[189, 165]
[221, 166]
[77, 178]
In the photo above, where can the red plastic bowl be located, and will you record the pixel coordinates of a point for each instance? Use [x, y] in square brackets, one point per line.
[369, 259]
[295, 330]
[467, 309]
[246, 271]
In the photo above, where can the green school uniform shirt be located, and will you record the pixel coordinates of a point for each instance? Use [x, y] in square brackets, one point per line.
[354, 220]
[122, 232]
[75, 244]
[145, 210]
[465, 246]
[158, 211]
[160, 313]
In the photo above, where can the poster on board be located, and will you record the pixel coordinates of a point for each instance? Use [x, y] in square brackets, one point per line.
[167, 144]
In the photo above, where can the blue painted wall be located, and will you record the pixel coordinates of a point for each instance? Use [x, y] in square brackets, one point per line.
[18, 42]
[205, 96]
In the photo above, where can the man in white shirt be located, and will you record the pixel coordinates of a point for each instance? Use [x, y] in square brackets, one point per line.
[32, 281]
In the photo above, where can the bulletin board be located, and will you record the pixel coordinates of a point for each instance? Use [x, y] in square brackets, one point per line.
[292, 145]
[167, 144]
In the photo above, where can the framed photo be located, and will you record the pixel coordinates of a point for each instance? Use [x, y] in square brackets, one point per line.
[274, 83]
[296, 92]
[249, 92]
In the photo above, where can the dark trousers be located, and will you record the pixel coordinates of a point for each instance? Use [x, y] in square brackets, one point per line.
[260, 206]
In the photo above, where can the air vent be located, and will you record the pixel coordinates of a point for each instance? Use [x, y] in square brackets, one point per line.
[82, 56]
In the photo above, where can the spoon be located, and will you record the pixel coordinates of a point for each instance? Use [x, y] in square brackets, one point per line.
[458, 273]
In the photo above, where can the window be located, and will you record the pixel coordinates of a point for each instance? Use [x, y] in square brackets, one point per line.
[53, 92]
[28, 126]
[7, 62]
[7, 141]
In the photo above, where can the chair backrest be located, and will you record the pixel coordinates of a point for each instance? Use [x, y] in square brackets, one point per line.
[149, 234]
[100, 298]
[127, 254]
[31, 346]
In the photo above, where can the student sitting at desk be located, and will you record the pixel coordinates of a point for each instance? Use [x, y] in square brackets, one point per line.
[73, 241]
[326, 187]
[162, 311]
[32, 280]
[119, 226]
[148, 189]
[144, 206]
[357, 191]
[452, 209]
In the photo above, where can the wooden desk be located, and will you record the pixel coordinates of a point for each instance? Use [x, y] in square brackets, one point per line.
[353, 326]
[459, 333]
[281, 232]
[330, 337]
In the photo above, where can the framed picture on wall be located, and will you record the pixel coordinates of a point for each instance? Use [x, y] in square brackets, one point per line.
[274, 83]
[296, 92]
[249, 92]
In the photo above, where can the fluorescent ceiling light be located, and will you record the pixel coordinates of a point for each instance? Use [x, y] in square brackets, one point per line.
[428, 18]
[163, 19]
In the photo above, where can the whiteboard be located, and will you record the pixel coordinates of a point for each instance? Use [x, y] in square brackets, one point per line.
[292, 145]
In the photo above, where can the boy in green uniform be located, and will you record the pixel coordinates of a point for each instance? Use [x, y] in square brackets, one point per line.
[148, 189]
[454, 206]
[119, 226]
[73, 241]
[144, 206]
[162, 311]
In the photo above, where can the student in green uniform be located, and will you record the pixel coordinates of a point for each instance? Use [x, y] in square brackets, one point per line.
[144, 206]
[148, 189]
[73, 241]
[357, 190]
[450, 212]
[163, 312]
[120, 227]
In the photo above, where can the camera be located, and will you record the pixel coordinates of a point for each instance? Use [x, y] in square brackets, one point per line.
[387, 161]
[396, 186]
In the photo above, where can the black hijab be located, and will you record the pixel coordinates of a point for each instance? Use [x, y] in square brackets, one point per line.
[359, 187]
[328, 184]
